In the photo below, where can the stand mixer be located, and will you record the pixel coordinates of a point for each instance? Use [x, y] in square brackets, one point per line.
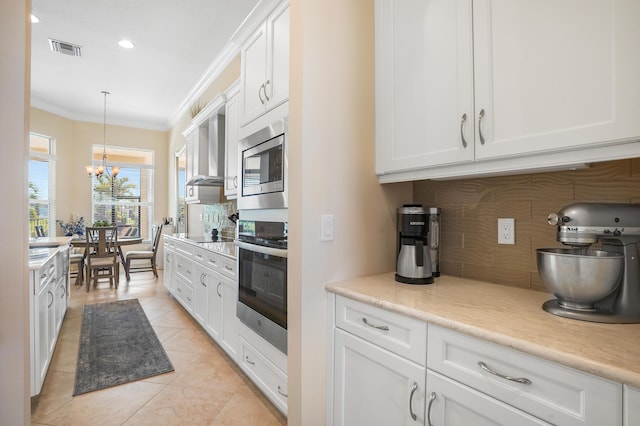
[594, 285]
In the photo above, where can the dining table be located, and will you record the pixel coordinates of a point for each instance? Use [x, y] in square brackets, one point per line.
[120, 242]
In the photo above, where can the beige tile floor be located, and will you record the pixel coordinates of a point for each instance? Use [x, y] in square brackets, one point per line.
[206, 388]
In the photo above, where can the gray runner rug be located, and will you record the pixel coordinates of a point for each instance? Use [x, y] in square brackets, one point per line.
[117, 345]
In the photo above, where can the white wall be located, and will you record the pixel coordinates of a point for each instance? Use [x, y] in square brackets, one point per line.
[331, 160]
[14, 125]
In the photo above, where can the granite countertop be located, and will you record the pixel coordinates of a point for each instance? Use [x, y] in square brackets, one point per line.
[508, 316]
[224, 247]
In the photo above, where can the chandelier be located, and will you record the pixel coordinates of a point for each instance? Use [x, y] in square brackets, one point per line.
[102, 169]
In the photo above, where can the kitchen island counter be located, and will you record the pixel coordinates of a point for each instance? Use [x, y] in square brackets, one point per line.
[508, 316]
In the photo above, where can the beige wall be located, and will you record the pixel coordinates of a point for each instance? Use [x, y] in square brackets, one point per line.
[176, 141]
[471, 207]
[74, 141]
[14, 125]
[331, 169]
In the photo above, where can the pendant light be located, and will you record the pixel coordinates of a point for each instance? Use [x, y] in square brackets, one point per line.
[102, 169]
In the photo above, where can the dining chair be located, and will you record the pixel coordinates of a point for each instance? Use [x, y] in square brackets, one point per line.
[150, 255]
[102, 255]
[77, 258]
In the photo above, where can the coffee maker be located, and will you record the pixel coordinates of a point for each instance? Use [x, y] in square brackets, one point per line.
[414, 257]
[598, 283]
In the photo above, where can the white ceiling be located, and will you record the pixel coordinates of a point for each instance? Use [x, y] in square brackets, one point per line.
[176, 43]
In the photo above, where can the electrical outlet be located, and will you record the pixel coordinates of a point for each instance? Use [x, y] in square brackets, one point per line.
[506, 231]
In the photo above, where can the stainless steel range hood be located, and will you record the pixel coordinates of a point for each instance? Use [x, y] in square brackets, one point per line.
[214, 174]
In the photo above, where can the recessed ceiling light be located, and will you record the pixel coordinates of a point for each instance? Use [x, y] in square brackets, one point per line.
[34, 19]
[126, 44]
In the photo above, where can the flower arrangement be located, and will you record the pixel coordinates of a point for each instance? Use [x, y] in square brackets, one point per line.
[75, 226]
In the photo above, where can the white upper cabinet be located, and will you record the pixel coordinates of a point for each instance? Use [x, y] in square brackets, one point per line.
[424, 84]
[265, 66]
[231, 142]
[524, 85]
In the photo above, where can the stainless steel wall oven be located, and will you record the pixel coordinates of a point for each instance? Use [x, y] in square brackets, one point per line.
[262, 279]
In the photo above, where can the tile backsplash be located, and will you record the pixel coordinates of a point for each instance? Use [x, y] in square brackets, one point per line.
[471, 208]
[216, 216]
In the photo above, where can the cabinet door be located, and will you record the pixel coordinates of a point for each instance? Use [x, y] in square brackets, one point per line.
[374, 386]
[229, 317]
[424, 84]
[254, 63]
[169, 269]
[44, 302]
[631, 407]
[214, 315]
[451, 404]
[231, 147]
[277, 84]
[201, 281]
[555, 75]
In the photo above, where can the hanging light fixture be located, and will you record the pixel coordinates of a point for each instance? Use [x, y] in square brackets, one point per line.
[102, 169]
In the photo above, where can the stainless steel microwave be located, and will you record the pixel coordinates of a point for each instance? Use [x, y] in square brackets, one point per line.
[263, 168]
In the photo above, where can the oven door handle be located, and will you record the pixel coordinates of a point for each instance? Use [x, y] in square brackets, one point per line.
[261, 249]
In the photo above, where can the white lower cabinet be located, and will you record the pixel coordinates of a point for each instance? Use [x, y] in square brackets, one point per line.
[379, 376]
[184, 293]
[375, 386]
[205, 283]
[269, 378]
[48, 305]
[631, 406]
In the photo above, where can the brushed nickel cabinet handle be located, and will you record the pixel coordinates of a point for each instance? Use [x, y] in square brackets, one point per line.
[462, 120]
[52, 298]
[265, 90]
[282, 393]
[522, 380]
[246, 358]
[379, 327]
[235, 181]
[218, 289]
[260, 94]
[414, 388]
[202, 280]
[431, 399]
[480, 126]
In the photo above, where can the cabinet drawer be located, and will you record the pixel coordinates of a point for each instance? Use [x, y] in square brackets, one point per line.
[45, 274]
[184, 267]
[228, 267]
[554, 393]
[185, 249]
[169, 244]
[402, 335]
[184, 292]
[267, 376]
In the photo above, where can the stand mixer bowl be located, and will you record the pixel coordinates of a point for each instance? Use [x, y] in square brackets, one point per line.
[579, 278]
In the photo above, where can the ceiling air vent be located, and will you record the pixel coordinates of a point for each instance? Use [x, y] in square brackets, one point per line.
[65, 48]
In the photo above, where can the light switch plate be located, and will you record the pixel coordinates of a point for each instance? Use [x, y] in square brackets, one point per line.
[326, 227]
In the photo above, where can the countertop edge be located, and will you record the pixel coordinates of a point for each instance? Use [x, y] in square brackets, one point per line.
[607, 371]
[186, 239]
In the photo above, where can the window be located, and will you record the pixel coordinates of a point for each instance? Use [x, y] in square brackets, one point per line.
[42, 172]
[127, 199]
